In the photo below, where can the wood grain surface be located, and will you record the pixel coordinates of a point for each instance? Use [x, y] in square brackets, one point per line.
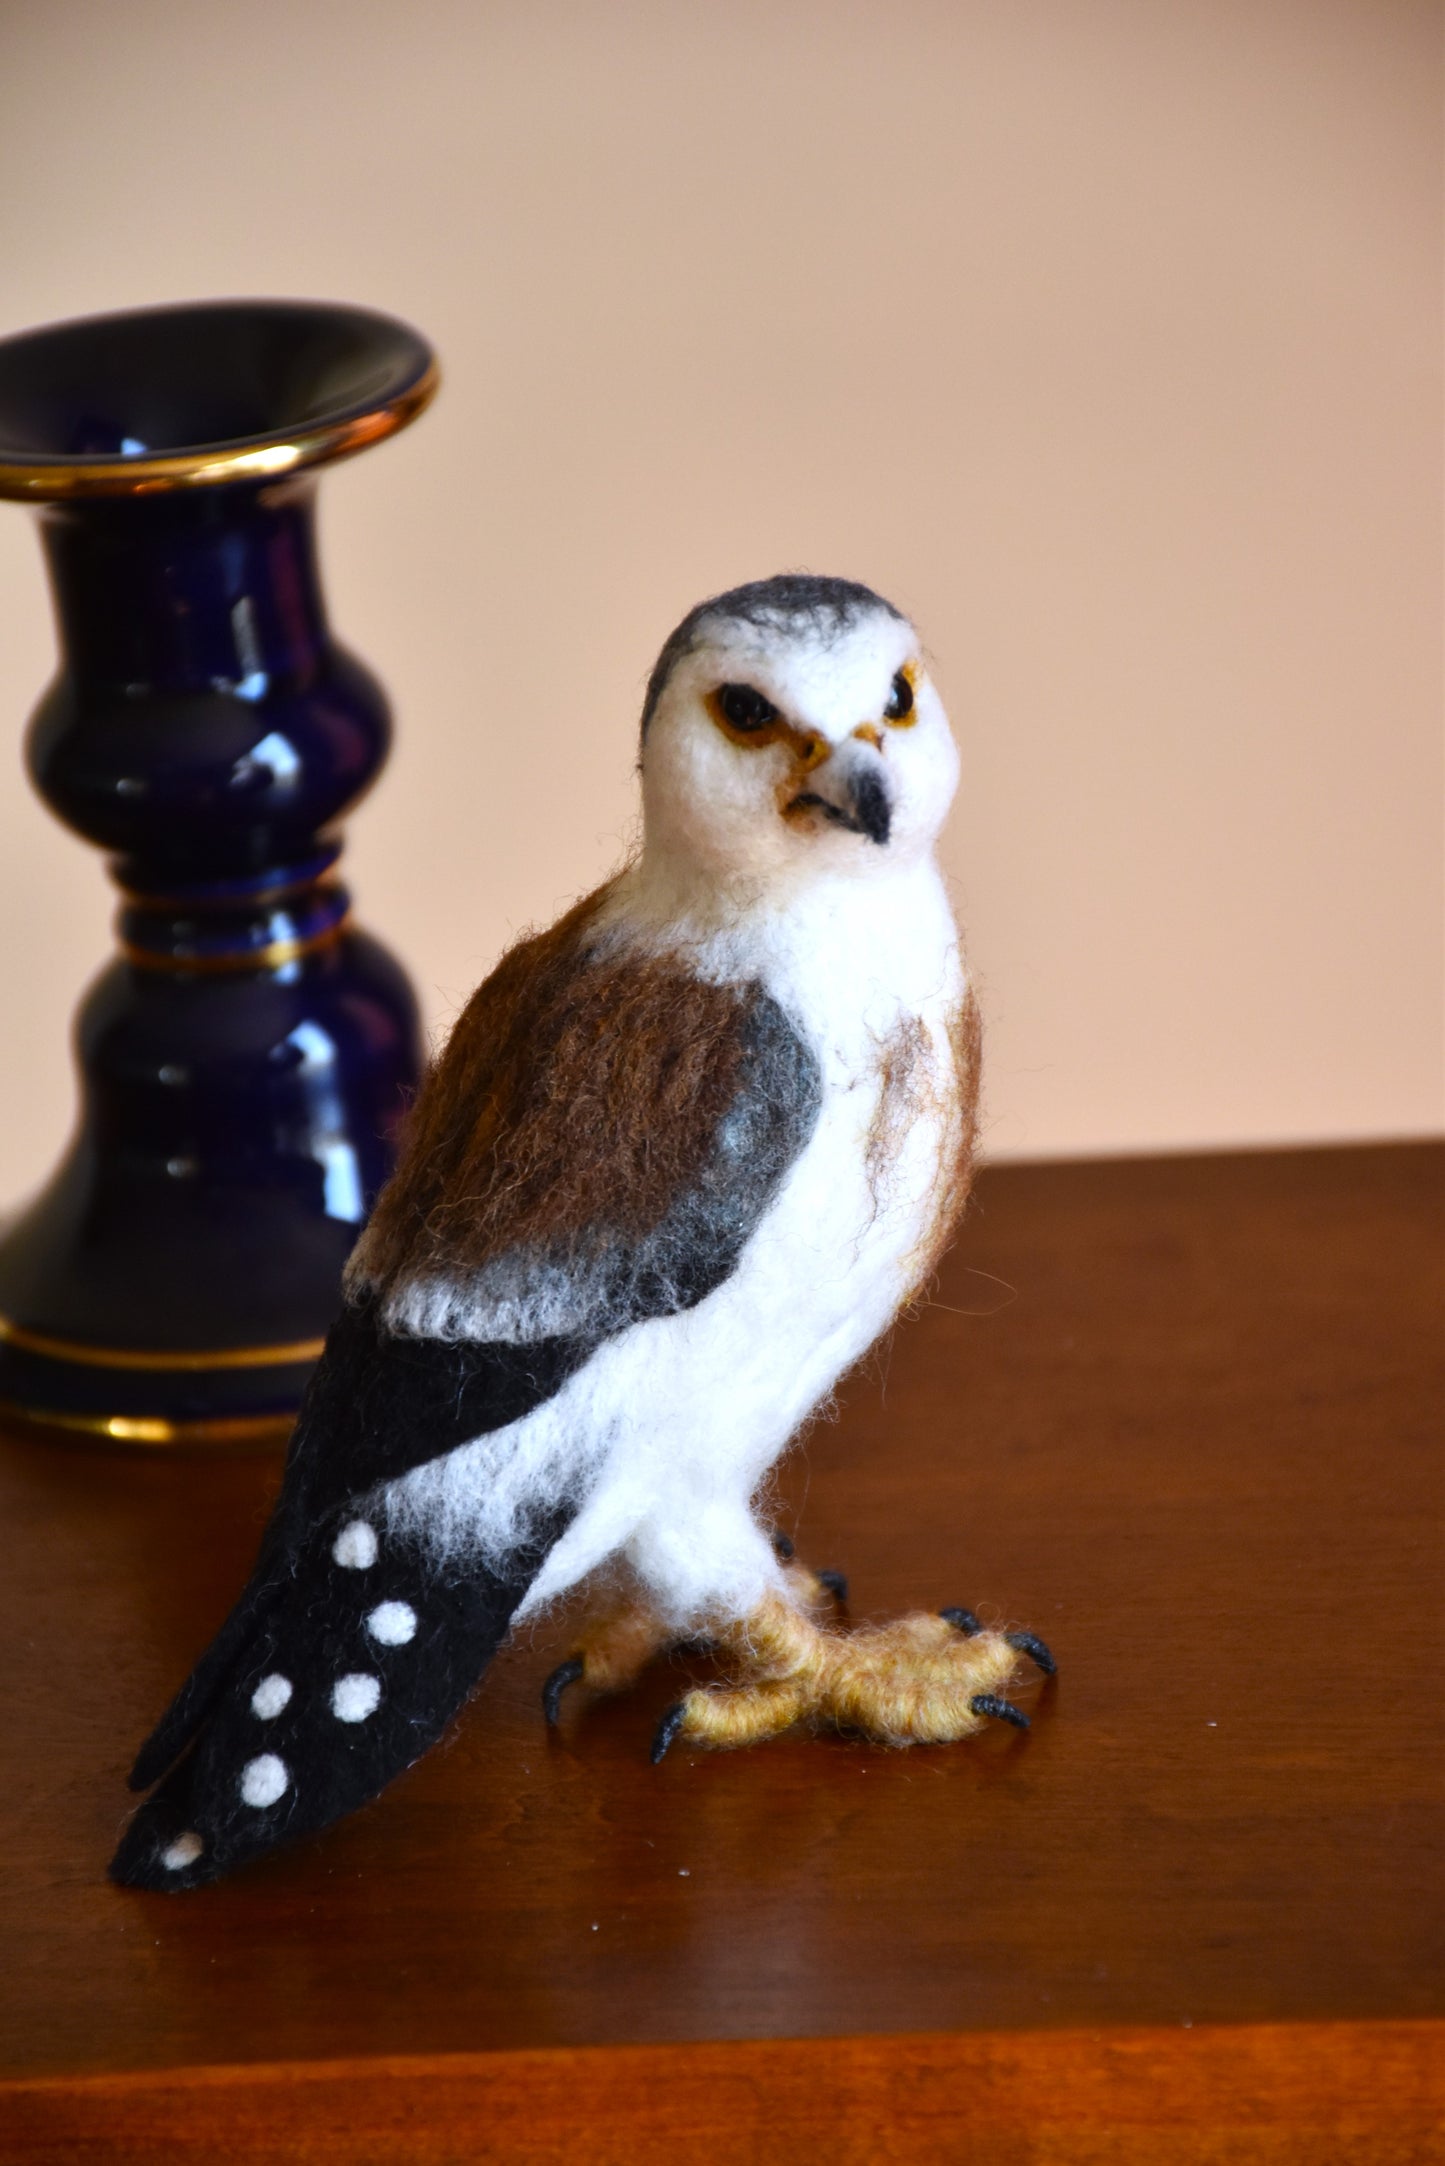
[1180, 1416]
[1368, 2094]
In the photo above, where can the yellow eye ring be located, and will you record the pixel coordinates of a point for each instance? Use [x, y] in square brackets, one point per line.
[745, 715]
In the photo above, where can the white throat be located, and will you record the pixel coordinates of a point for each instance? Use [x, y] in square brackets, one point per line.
[843, 955]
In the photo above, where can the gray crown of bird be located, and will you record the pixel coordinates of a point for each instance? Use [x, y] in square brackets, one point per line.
[685, 1157]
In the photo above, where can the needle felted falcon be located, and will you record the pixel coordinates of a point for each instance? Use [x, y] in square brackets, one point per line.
[685, 1157]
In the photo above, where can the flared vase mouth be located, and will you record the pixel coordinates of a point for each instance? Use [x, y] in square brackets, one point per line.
[200, 395]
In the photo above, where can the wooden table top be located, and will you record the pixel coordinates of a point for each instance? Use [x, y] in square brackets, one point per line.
[1180, 1416]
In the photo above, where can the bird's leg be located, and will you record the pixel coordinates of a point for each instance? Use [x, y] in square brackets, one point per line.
[922, 1680]
[816, 1592]
[611, 1653]
[614, 1648]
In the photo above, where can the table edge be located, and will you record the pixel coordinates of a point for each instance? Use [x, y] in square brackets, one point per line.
[640, 2101]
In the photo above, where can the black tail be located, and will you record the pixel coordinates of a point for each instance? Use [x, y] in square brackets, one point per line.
[314, 1697]
[351, 1649]
[188, 1710]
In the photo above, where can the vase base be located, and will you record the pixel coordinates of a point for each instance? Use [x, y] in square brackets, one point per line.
[150, 1433]
[223, 1402]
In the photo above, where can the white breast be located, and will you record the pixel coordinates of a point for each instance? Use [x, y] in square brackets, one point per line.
[859, 969]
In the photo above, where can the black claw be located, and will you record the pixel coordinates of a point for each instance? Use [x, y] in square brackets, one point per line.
[667, 1730]
[1028, 1643]
[962, 1620]
[835, 1582]
[565, 1674]
[783, 1548]
[989, 1703]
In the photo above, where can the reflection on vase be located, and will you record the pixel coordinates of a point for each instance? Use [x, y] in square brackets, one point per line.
[246, 1057]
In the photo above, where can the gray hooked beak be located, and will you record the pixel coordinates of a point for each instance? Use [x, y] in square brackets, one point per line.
[849, 789]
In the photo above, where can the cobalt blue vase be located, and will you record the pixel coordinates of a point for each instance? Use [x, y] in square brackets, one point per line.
[246, 1056]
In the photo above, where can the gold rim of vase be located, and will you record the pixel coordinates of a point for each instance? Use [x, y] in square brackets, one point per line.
[80, 1354]
[208, 466]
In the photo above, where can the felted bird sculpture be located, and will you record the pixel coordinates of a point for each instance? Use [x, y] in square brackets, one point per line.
[687, 1154]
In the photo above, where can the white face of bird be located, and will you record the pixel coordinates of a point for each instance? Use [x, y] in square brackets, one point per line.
[774, 752]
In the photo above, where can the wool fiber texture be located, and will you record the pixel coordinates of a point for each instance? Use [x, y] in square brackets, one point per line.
[783, 605]
[687, 1154]
[598, 1140]
[912, 1682]
[361, 1708]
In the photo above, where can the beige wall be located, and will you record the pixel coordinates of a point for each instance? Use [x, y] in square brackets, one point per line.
[1101, 334]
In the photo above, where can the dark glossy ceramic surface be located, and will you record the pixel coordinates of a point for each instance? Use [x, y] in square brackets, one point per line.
[245, 1061]
[204, 721]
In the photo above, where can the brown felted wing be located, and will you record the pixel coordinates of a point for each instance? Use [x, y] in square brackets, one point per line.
[600, 1111]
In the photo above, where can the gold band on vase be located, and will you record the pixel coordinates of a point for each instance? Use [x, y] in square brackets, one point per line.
[237, 1432]
[271, 957]
[191, 1360]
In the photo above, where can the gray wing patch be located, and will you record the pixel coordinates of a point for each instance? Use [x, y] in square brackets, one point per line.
[609, 1280]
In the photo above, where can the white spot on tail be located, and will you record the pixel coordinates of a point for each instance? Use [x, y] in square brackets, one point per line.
[270, 1696]
[263, 1780]
[393, 1623]
[355, 1546]
[355, 1697]
[182, 1852]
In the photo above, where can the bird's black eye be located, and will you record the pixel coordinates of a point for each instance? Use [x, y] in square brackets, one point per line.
[744, 709]
[900, 699]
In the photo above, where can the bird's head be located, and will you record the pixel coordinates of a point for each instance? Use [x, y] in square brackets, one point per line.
[790, 725]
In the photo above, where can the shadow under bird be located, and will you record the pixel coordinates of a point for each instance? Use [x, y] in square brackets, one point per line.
[687, 1154]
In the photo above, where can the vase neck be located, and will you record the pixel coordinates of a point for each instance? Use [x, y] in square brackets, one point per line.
[203, 725]
[206, 590]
